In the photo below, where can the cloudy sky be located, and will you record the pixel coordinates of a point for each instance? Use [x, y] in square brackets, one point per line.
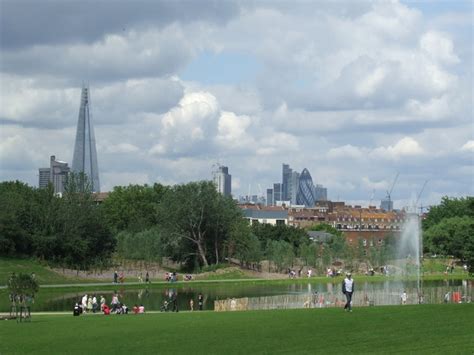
[355, 91]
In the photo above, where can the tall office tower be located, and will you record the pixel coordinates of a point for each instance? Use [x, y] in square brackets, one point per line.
[223, 180]
[305, 190]
[320, 193]
[294, 184]
[57, 174]
[44, 177]
[85, 154]
[285, 181]
[277, 192]
[270, 197]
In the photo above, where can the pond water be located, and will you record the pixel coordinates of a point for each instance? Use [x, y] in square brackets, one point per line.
[260, 294]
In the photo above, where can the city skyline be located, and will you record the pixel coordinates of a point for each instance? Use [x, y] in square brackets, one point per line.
[355, 92]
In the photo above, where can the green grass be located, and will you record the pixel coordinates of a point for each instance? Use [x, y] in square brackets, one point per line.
[43, 274]
[429, 329]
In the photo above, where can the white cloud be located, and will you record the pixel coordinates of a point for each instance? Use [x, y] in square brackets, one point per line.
[439, 47]
[468, 146]
[122, 148]
[346, 152]
[405, 147]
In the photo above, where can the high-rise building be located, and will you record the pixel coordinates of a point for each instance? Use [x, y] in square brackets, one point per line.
[270, 197]
[305, 189]
[285, 182]
[294, 185]
[85, 154]
[386, 204]
[56, 174]
[223, 180]
[320, 193]
[44, 177]
[277, 192]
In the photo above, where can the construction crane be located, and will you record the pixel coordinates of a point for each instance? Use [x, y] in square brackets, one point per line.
[419, 196]
[372, 197]
[387, 203]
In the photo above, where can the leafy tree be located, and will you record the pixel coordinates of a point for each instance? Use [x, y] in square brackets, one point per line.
[324, 227]
[338, 246]
[294, 236]
[196, 222]
[309, 253]
[449, 207]
[146, 245]
[243, 244]
[133, 207]
[453, 236]
[17, 218]
[281, 253]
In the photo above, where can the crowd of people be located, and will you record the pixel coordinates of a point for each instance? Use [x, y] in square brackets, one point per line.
[90, 304]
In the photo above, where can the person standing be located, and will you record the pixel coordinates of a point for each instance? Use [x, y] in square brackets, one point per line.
[404, 297]
[191, 304]
[200, 301]
[147, 278]
[348, 290]
[115, 276]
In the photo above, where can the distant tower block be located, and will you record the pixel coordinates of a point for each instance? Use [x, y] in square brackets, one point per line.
[85, 154]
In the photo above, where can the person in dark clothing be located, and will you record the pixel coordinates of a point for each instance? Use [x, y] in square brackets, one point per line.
[200, 301]
[147, 277]
[174, 301]
[115, 277]
[77, 310]
[348, 290]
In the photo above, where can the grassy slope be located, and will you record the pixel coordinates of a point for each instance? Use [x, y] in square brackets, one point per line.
[417, 329]
[43, 274]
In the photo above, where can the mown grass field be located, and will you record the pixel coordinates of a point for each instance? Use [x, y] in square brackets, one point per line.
[425, 329]
[27, 266]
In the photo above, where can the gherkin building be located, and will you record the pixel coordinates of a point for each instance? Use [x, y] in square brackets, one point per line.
[305, 194]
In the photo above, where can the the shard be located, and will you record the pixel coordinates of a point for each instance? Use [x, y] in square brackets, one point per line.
[85, 154]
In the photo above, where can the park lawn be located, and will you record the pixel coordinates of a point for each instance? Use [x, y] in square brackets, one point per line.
[27, 266]
[391, 329]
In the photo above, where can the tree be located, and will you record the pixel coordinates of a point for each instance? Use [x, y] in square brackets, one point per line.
[243, 244]
[22, 289]
[453, 236]
[196, 222]
[309, 253]
[281, 253]
[133, 208]
[324, 227]
[81, 237]
[449, 207]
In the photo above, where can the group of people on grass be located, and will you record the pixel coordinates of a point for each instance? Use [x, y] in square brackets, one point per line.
[90, 304]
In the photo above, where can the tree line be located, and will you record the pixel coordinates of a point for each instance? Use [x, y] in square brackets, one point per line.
[191, 224]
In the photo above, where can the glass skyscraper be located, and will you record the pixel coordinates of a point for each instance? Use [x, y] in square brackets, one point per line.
[286, 182]
[305, 194]
[85, 154]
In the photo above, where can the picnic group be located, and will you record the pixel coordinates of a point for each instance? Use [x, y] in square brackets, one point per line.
[94, 304]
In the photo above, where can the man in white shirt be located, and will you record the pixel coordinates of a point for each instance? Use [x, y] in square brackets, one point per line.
[348, 290]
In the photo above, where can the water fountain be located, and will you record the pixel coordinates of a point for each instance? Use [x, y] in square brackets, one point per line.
[410, 249]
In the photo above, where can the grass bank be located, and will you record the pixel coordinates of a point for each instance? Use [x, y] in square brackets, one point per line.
[433, 329]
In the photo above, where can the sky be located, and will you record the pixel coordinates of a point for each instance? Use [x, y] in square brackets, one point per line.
[355, 91]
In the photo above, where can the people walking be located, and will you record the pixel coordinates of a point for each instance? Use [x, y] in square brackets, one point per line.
[348, 290]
